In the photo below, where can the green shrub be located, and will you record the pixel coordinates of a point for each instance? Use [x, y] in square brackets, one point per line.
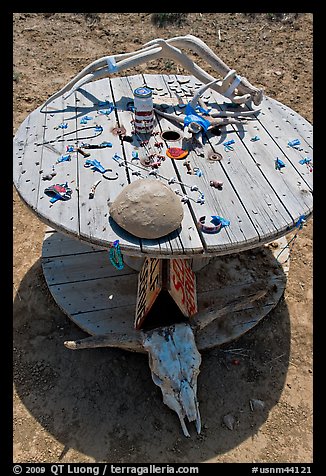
[16, 76]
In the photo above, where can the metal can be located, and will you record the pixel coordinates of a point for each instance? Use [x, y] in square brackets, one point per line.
[144, 113]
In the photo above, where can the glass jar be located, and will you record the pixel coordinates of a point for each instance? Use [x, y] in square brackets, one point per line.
[144, 112]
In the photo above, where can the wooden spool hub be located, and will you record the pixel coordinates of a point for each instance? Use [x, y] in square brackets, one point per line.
[101, 299]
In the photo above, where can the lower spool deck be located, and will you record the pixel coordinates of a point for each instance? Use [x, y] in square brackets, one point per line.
[101, 299]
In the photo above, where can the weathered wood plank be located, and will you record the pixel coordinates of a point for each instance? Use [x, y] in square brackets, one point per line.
[95, 222]
[221, 202]
[162, 94]
[264, 208]
[19, 144]
[172, 242]
[63, 214]
[189, 236]
[57, 244]
[222, 331]
[97, 294]
[28, 157]
[176, 242]
[83, 267]
[303, 130]
[118, 321]
[280, 125]
[295, 198]
[122, 95]
[220, 240]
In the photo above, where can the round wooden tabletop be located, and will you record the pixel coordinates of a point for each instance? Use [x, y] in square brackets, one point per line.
[261, 200]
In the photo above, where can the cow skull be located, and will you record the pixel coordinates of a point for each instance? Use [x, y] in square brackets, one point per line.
[174, 362]
[174, 359]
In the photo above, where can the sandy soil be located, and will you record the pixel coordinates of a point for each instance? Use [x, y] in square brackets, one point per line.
[101, 404]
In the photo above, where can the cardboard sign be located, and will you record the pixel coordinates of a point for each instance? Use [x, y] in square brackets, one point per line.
[182, 286]
[149, 287]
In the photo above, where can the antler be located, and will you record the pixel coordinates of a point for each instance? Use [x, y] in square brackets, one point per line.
[218, 121]
[217, 118]
[230, 86]
[197, 45]
[103, 67]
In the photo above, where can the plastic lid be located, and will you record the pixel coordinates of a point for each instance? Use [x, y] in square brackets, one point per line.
[143, 92]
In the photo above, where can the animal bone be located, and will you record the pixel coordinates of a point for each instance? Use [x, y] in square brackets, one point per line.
[173, 356]
[215, 121]
[197, 323]
[233, 113]
[198, 46]
[230, 86]
[174, 362]
[193, 103]
[108, 340]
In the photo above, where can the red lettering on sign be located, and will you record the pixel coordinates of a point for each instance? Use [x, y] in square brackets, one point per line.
[149, 286]
[178, 285]
[190, 290]
[177, 278]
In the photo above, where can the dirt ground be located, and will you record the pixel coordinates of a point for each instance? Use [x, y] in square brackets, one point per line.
[101, 405]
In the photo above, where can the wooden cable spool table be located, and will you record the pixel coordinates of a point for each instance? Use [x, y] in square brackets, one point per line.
[262, 202]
